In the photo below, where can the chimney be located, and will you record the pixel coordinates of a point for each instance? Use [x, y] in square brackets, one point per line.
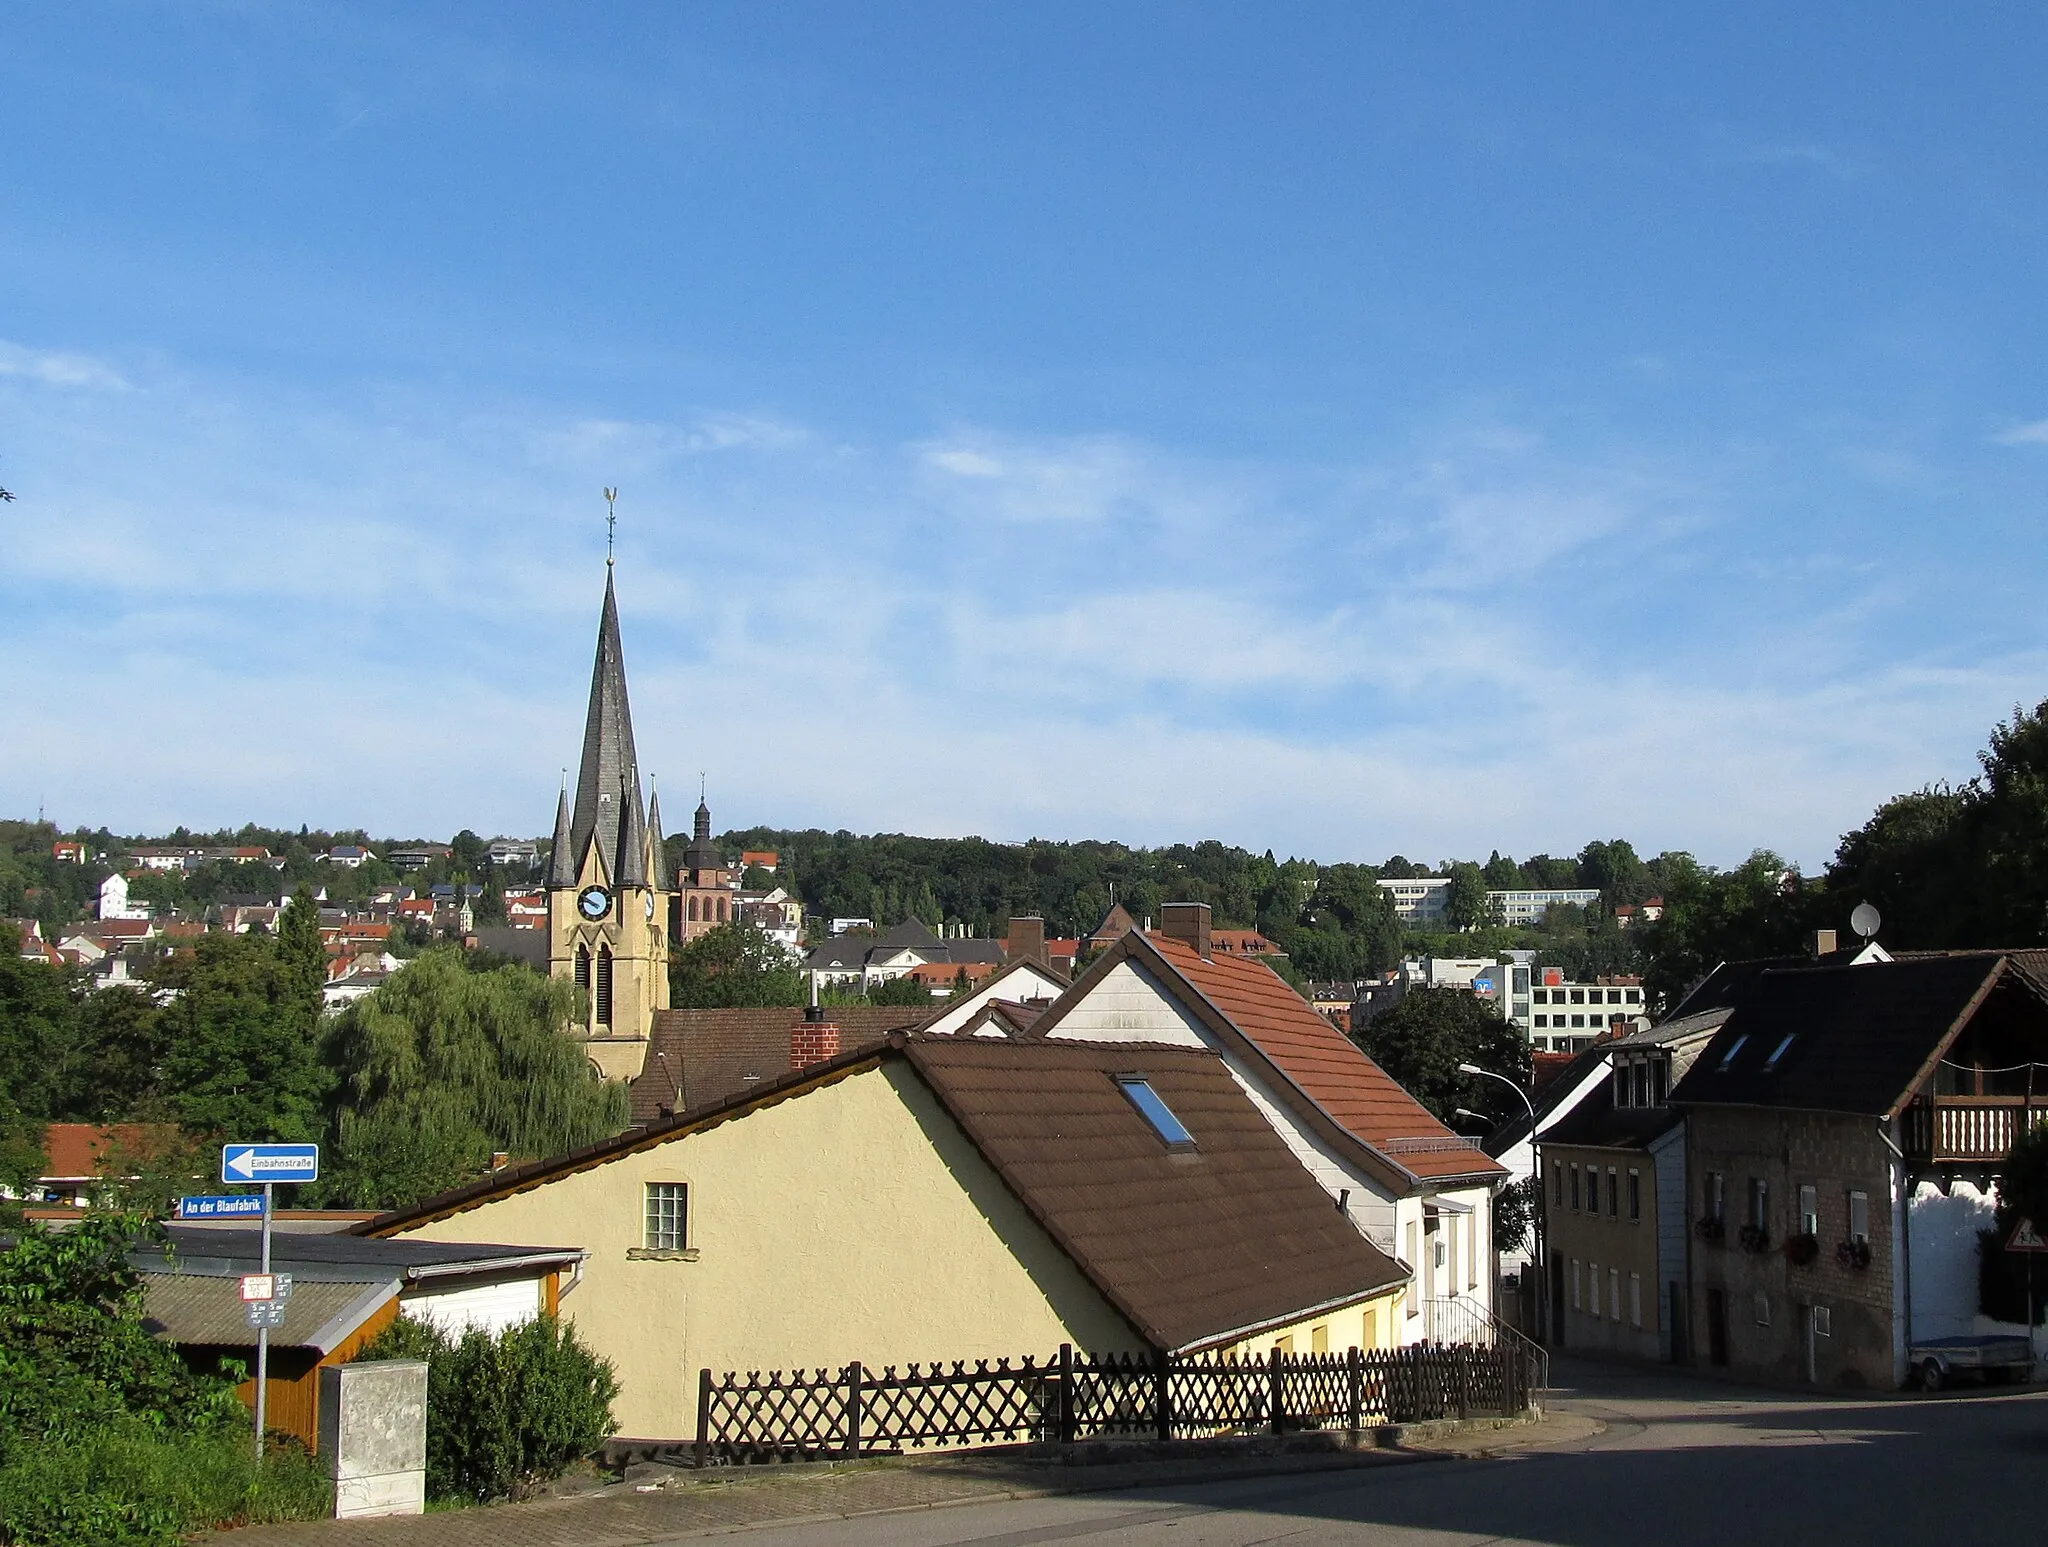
[1823, 943]
[813, 1040]
[1187, 922]
[1026, 940]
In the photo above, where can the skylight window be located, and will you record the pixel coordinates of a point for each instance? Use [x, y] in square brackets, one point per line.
[1728, 1058]
[1155, 1111]
[1778, 1052]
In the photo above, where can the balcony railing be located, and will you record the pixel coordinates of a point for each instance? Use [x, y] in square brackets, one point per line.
[1945, 1130]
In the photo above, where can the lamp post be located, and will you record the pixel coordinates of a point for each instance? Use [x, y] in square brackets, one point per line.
[1537, 1260]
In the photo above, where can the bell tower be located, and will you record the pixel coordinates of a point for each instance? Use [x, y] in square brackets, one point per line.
[608, 913]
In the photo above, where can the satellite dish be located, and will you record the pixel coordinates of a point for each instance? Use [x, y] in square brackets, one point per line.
[1865, 920]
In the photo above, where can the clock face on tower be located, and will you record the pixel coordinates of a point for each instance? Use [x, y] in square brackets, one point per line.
[593, 902]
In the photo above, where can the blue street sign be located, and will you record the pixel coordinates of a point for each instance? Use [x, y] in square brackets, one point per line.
[270, 1162]
[247, 1205]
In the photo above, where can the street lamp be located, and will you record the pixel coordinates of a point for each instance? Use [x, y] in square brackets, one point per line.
[1535, 1201]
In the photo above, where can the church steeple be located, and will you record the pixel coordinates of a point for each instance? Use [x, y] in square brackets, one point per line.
[562, 860]
[609, 777]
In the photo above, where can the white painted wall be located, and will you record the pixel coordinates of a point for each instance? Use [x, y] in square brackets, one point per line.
[1943, 1230]
[1025, 983]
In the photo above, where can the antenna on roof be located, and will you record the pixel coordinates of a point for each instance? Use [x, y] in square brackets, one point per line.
[611, 521]
[1865, 920]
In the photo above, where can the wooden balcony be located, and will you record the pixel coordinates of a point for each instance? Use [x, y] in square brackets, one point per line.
[1970, 1130]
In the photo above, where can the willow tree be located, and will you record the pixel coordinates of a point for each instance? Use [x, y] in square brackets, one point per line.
[443, 1067]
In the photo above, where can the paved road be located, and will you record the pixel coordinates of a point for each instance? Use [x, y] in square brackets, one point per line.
[1682, 1462]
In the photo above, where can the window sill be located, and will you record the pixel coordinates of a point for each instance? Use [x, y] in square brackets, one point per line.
[657, 1254]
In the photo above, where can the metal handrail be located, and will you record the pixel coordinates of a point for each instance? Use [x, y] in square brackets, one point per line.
[1456, 1320]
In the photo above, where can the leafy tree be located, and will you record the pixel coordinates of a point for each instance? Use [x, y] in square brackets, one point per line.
[733, 965]
[1465, 904]
[903, 991]
[1502, 874]
[442, 1067]
[1429, 1032]
[1616, 871]
[241, 1060]
[1910, 861]
[1757, 909]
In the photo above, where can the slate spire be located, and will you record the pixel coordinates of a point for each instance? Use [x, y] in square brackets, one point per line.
[562, 862]
[609, 778]
[654, 838]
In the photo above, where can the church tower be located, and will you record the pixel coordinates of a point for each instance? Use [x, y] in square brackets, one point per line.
[608, 913]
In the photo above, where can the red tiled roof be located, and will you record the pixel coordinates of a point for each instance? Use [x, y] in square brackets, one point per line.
[75, 1151]
[1356, 1092]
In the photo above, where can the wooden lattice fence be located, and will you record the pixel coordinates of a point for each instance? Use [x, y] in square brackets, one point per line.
[861, 1411]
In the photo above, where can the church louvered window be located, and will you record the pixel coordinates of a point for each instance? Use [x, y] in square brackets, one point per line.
[583, 968]
[604, 986]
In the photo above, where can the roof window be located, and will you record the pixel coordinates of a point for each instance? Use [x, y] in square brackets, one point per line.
[1728, 1057]
[1155, 1111]
[1778, 1052]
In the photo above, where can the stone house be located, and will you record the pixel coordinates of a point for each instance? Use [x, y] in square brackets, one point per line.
[1844, 1132]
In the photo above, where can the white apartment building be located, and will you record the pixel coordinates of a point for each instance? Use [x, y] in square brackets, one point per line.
[1566, 1017]
[1529, 906]
[1421, 901]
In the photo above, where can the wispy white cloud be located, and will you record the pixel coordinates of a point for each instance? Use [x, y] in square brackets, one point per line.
[383, 611]
[2032, 434]
[57, 368]
[1727, 147]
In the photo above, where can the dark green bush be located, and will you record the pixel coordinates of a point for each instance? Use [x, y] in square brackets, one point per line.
[508, 1412]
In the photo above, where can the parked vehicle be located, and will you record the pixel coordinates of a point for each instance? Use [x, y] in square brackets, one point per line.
[1936, 1362]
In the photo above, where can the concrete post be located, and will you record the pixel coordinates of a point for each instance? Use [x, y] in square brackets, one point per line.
[373, 1437]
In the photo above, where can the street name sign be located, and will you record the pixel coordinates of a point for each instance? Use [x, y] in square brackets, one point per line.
[270, 1162]
[244, 1205]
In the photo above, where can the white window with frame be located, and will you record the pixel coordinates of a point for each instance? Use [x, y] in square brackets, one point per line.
[668, 1216]
[1635, 1301]
[1859, 1217]
[1809, 1209]
[1578, 1287]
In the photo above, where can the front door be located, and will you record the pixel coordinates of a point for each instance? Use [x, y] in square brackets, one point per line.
[1717, 1327]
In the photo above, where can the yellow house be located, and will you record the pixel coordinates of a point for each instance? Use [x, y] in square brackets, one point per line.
[936, 1198]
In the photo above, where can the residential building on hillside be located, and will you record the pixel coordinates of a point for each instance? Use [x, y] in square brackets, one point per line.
[350, 856]
[1040, 1188]
[1419, 901]
[114, 901]
[68, 851]
[870, 959]
[1567, 1017]
[513, 851]
[416, 856]
[760, 859]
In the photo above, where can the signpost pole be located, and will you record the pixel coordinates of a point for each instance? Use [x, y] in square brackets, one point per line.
[263, 1340]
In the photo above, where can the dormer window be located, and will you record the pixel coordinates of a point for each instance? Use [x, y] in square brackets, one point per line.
[1728, 1058]
[1777, 1053]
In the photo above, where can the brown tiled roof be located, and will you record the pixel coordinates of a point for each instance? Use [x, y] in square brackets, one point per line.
[1325, 1064]
[1196, 1246]
[719, 1054]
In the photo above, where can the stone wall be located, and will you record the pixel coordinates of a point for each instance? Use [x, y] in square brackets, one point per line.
[1769, 1301]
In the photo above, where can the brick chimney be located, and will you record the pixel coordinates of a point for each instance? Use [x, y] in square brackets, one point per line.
[1187, 922]
[1823, 943]
[1026, 941]
[813, 1040]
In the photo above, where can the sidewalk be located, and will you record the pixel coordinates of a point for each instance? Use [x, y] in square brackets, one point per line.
[662, 1505]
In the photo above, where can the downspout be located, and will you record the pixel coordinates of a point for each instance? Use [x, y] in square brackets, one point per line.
[1905, 1245]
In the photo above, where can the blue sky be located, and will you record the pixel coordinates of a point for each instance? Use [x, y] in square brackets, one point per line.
[1320, 427]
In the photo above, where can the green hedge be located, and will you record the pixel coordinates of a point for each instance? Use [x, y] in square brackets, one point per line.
[504, 1413]
[129, 1485]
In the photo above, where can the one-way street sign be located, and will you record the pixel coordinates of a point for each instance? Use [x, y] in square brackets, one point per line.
[270, 1162]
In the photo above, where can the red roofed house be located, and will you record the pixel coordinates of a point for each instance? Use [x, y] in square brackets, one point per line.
[1242, 942]
[1409, 1184]
[68, 852]
[77, 1156]
[766, 859]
